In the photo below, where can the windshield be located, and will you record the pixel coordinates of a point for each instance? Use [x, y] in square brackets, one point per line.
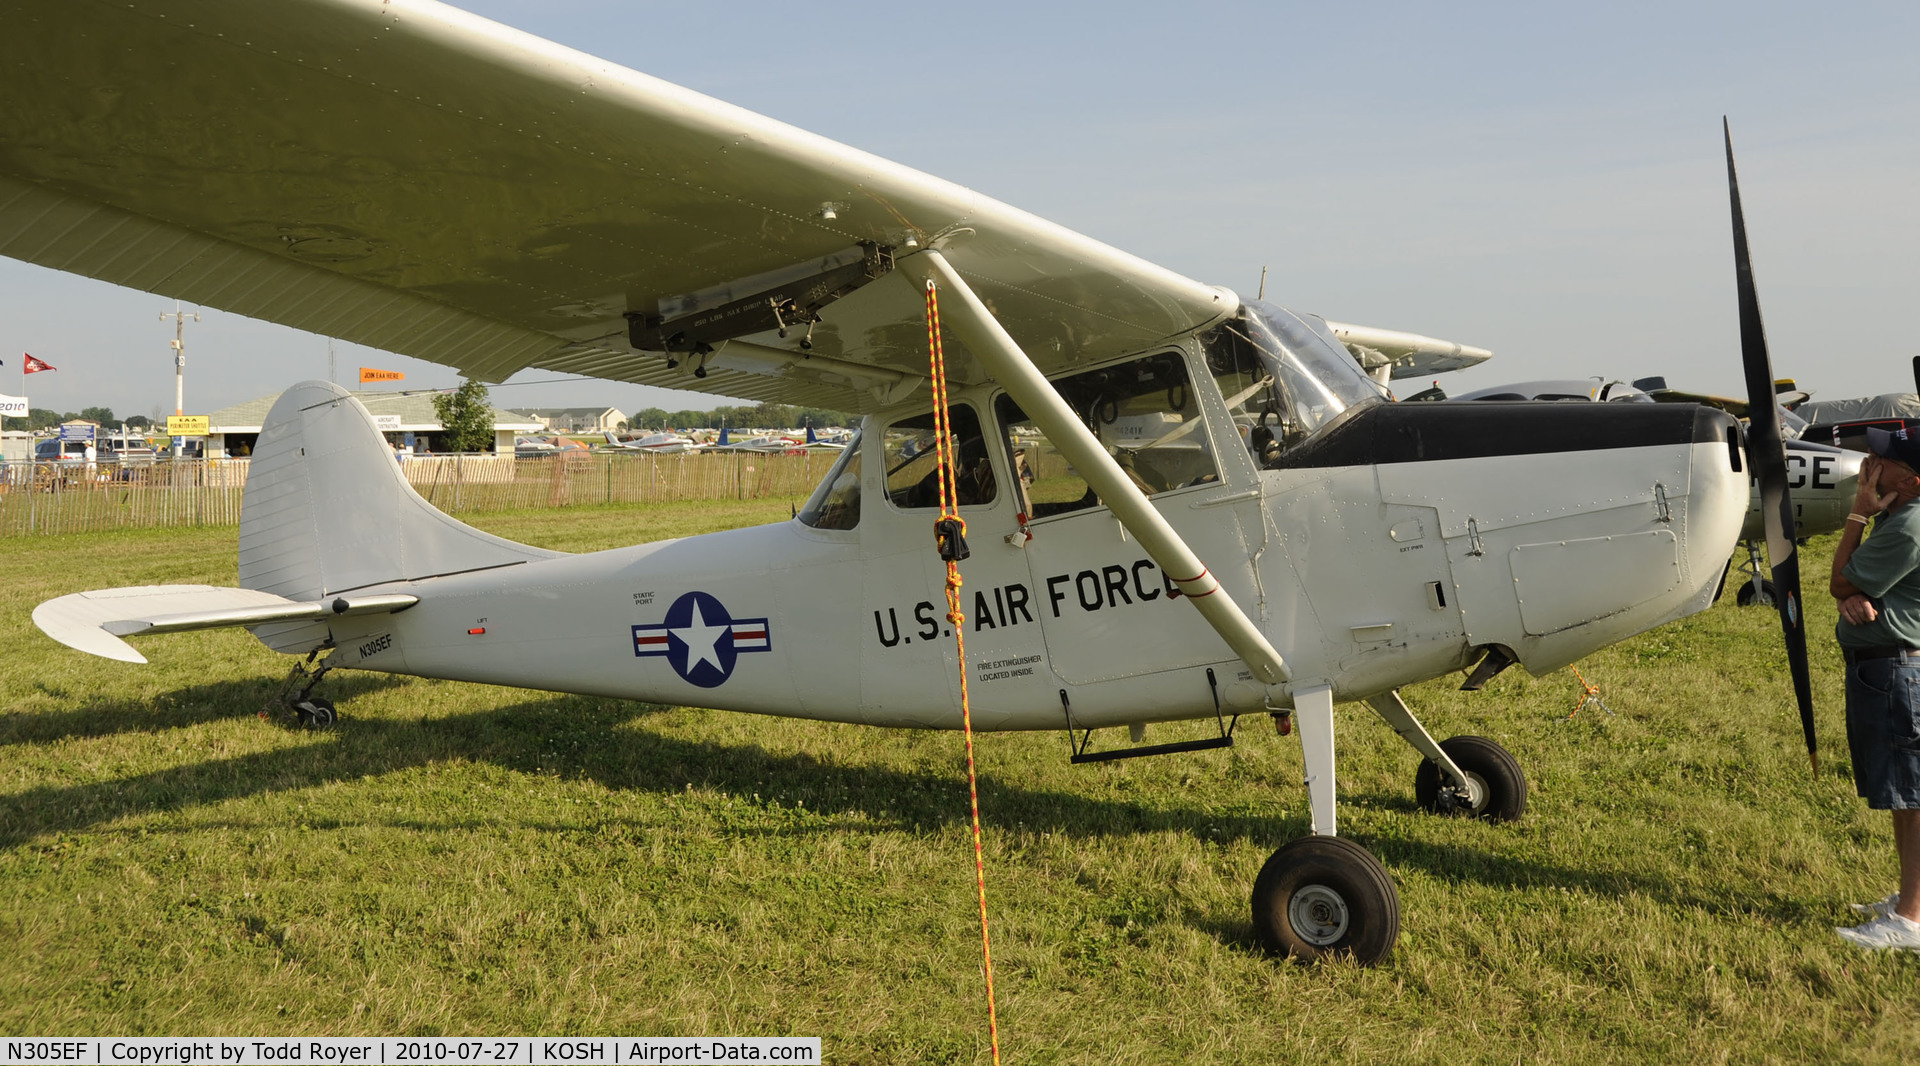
[1284, 376]
[835, 504]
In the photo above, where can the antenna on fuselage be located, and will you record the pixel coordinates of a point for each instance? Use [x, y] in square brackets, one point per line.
[1263, 295]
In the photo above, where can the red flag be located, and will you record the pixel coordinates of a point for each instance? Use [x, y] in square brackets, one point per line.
[34, 366]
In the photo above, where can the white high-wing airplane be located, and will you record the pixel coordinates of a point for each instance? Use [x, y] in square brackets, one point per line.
[1182, 504]
[651, 444]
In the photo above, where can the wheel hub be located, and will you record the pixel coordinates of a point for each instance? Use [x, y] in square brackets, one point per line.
[1470, 798]
[1318, 915]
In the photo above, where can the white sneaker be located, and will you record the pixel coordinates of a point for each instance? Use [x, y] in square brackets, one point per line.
[1887, 932]
[1877, 907]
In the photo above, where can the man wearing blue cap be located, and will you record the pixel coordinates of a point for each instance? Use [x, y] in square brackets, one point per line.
[1878, 585]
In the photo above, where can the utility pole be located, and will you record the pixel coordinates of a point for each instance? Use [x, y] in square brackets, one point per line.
[179, 366]
[179, 354]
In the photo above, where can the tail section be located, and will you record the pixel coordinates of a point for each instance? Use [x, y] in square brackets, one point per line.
[328, 511]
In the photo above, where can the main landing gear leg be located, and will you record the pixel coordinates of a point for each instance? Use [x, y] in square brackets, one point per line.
[1465, 775]
[1322, 895]
[296, 702]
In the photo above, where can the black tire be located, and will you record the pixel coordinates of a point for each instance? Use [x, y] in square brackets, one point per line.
[315, 713]
[1503, 787]
[1751, 596]
[1322, 896]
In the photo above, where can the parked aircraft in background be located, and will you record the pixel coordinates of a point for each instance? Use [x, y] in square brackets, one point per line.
[1388, 354]
[651, 444]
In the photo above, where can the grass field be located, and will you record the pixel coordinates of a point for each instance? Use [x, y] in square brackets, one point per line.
[472, 860]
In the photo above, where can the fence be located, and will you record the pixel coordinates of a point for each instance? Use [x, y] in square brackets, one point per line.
[52, 497]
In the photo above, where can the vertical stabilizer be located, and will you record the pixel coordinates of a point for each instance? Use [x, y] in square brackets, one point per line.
[327, 510]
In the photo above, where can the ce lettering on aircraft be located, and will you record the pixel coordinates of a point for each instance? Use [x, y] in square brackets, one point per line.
[1817, 471]
[701, 640]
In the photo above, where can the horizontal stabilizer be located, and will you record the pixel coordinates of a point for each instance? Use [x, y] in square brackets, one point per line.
[94, 622]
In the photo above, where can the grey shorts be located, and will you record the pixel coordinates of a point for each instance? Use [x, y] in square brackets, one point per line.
[1883, 731]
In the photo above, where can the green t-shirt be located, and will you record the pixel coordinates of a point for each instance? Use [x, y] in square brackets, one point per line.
[1886, 567]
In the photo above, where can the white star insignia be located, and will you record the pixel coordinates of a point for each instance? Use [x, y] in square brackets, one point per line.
[702, 641]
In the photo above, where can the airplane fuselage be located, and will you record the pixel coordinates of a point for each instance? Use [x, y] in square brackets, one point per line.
[1397, 544]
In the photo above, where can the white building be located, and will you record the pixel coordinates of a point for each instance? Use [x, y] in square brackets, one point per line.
[593, 420]
[407, 418]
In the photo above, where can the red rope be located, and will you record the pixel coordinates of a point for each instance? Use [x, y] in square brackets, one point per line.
[949, 511]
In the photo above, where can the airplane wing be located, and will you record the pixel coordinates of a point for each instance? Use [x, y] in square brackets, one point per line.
[1732, 405]
[412, 177]
[1407, 354]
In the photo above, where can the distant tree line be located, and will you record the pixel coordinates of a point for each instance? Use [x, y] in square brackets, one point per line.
[764, 416]
[43, 418]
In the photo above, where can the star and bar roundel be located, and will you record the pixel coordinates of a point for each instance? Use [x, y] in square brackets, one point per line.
[700, 640]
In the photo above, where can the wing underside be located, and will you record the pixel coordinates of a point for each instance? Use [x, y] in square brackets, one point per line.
[408, 176]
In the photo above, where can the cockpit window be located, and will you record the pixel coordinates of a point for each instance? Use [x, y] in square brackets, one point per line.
[835, 504]
[1284, 376]
[1143, 411]
[913, 479]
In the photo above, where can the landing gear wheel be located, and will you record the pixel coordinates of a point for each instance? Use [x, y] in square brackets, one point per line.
[315, 713]
[1497, 789]
[1321, 896]
[1756, 592]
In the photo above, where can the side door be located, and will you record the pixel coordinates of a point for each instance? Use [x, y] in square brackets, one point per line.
[907, 640]
[1107, 610]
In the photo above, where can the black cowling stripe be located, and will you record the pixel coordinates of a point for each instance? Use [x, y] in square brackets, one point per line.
[1376, 433]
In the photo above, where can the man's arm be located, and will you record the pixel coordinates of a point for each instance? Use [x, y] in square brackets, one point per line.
[1867, 502]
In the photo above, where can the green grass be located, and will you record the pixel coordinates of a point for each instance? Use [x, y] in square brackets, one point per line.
[462, 859]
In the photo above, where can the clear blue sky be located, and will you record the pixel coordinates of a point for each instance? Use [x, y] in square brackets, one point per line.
[1542, 180]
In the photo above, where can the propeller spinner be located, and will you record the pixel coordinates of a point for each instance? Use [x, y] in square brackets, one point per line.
[1768, 455]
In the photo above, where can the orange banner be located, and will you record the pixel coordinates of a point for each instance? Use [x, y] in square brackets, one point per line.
[369, 374]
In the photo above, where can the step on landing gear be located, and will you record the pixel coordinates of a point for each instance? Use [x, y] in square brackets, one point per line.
[296, 704]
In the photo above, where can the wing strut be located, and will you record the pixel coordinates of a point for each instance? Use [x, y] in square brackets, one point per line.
[996, 350]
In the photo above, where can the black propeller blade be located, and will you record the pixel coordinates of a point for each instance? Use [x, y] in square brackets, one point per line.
[1769, 457]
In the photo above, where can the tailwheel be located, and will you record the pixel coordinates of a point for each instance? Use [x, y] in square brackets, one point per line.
[1496, 788]
[1320, 896]
[315, 713]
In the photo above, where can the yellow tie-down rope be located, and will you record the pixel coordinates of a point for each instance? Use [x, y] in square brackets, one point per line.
[949, 532]
[1591, 695]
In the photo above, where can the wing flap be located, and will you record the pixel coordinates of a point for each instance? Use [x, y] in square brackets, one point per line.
[95, 621]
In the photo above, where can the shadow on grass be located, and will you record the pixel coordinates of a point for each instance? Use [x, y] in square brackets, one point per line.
[585, 738]
[173, 710]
